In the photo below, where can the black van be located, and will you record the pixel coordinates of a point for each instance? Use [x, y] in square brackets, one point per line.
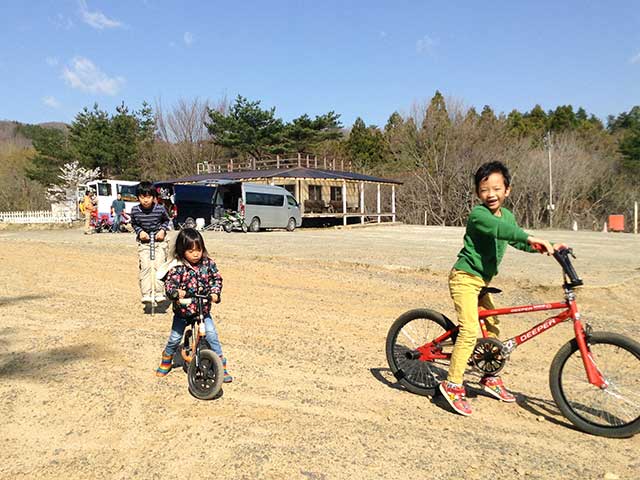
[195, 201]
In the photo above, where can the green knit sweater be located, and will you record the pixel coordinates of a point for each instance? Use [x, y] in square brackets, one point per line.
[486, 239]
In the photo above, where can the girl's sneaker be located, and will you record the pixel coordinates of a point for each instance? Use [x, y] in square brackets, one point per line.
[456, 396]
[494, 386]
[165, 365]
[226, 378]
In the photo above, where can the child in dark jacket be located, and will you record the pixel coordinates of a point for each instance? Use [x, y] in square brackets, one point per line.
[149, 218]
[191, 271]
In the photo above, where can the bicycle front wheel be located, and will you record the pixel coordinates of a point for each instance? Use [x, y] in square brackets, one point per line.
[205, 375]
[417, 362]
[613, 411]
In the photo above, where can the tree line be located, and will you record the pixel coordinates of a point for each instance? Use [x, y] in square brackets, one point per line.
[434, 149]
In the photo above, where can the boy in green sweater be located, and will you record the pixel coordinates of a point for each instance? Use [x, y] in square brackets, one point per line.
[490, 227]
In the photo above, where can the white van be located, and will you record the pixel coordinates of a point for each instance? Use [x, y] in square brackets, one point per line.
[107, 191]
[265, 206]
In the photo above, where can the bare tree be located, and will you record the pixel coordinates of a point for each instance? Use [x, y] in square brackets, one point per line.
[183, 139]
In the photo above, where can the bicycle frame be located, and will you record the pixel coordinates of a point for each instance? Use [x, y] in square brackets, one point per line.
[569, 307]
[198, 327]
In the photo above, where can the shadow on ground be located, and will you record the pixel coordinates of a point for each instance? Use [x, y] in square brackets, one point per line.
[9, 300]
[41, 364]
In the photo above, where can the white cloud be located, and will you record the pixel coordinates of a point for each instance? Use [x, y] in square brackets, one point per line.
[50, 101]
[86, 76]
[426, 45]
[62, 22]
[188, 38]
[383, 34]
[52, 61]
[635, 58]
[96, 19]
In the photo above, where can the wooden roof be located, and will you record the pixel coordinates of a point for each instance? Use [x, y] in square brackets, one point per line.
[293, 173]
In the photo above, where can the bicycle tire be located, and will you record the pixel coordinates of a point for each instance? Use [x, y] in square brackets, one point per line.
[205, 380]
[409, 331]
[612, 412]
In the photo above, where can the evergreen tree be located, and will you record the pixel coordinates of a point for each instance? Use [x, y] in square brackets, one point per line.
[536, 121]
[366, 146]
[90, 138]
[624, 121]
[629, 147]
[247, 128]
[563, 119]
[394, 122]
[302, 134]
[516, 125]
[52, 151]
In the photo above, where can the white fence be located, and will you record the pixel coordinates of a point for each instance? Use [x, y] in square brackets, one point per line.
[43, 216]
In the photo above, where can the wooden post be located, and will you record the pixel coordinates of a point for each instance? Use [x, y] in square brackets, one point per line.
[342, 165]
[278, 161]
[298, 192]
[393, 203]
[378, 202]
[425, 218]
[325, 162]
[635, 217]
[362, 202]
[231, 165]
[307, 160]
[344, 202]
[315, 159]
[334, 164]
[298, 158]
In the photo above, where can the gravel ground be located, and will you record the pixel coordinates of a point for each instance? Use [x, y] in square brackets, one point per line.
[303, 322]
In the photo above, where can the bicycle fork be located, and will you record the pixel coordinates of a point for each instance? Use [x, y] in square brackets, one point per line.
[594, 375]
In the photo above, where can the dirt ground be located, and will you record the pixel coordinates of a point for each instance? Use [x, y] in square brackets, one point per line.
[303, 322]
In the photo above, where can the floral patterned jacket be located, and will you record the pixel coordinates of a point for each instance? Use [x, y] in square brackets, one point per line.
[202, 278]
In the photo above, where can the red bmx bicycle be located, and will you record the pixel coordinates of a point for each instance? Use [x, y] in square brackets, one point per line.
[594, 378]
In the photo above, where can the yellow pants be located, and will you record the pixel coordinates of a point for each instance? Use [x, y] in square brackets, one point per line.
[464, 288]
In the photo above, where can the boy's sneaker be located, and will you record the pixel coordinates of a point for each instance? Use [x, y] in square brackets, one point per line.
[494, 386]
[146, 299]
[456, 396]
[160, 298]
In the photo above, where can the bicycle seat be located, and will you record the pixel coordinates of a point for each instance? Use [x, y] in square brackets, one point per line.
[485, 290]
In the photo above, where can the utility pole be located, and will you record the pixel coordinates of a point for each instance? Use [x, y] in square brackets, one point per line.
[550, 206]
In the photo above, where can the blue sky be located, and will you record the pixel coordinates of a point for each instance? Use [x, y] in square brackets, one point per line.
[358, 58]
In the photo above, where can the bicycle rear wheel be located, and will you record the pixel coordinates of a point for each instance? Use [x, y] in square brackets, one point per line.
[613, 411]
[205, 377]
[417, 362]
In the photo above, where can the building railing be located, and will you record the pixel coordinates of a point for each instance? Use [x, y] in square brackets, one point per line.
[272, 163]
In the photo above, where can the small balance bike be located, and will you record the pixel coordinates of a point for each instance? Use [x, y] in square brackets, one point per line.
[202, 365]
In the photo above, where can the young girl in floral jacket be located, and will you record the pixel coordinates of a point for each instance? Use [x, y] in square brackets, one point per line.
[190, 272]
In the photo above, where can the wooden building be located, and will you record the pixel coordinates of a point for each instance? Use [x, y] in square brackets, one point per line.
[321, 193]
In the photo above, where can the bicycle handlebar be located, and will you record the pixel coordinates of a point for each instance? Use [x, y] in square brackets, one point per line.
[571, 277]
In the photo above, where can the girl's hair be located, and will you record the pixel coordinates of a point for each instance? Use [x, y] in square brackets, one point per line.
[189, 238]
[488, 168]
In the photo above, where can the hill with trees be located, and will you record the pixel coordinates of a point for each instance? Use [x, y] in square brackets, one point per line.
[434, 149]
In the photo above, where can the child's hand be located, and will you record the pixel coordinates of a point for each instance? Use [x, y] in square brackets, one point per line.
[160, 235]
[181, 293]
[144, 236]
[541, 245]
[215, 298]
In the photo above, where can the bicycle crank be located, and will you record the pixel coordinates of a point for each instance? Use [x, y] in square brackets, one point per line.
[488, 356]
